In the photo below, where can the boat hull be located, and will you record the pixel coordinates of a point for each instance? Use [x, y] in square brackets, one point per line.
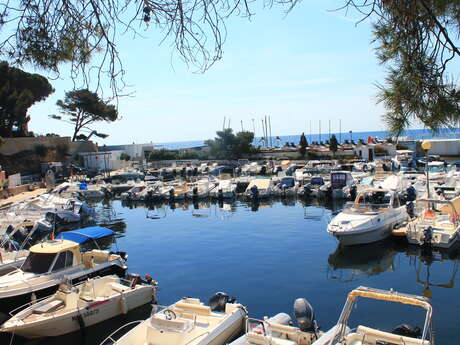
[9, 303]
[370, 236]
[96, 312]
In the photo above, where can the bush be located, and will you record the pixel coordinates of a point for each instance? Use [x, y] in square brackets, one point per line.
[125, 157]
[62, 150]
[40, 150]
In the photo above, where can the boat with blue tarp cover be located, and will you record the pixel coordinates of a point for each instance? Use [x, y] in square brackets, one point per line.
[86, 234]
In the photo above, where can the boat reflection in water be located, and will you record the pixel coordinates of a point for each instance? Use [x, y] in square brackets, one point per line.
[369, 259]
[425, 262]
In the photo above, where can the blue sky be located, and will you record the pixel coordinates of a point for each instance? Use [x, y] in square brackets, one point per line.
[309, 65]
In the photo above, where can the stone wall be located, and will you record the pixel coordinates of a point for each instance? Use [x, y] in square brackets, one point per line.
[12, 146]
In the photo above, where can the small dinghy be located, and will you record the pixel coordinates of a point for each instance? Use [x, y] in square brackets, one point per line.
[93, 301]
[189, 322]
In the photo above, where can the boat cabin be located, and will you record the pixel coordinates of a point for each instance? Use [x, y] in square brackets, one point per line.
[340, 179]
[52, 256]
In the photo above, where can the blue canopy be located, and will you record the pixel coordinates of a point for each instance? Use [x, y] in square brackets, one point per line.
[85, 234]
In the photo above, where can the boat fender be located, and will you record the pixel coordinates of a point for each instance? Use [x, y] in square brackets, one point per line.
[123, 305]
[33, 298]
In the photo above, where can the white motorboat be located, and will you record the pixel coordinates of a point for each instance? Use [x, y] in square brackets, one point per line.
[278, 330]
[259, 188]
[363, 335]
[437, 226]
[188, 322]
[226, 189]
[286, 187]
[200, 189]
[92, 301]
[370, 218]
[46, 266]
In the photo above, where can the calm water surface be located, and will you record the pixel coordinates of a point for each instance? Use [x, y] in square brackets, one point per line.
[268, 255]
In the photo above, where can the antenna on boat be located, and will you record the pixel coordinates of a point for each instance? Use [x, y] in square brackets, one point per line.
[223, 126]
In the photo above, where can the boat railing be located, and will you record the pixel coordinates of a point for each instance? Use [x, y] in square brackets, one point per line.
[111, 339]
[27, 305]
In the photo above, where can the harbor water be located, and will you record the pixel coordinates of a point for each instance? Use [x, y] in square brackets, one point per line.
[267, 255]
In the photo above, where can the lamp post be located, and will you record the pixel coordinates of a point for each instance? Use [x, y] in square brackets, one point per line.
[426, 145]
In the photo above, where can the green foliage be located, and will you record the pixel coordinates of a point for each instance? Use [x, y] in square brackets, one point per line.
[40, 150]
[333, 144]
[418, 41]
[303, 145]
[83, 108]
[401, 147]
[227, 145]
[125, 157]
[19, 90]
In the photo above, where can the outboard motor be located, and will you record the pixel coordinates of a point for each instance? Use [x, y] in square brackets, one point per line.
[195, 192]
[183, 172]
[218, 301]
[427, 236]
[353, 192]
[171, 194]
[305, 315]
[255, 192]
[306, 190]
[410, 209]
[411, 193]
[220, 194]
[407, 331]
[263, 170]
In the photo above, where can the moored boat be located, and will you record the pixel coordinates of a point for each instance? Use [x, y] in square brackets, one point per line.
[189, 322]
[92, 301]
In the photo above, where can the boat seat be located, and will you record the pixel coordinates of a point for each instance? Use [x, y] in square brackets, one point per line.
[176, 325]
[193, 308]
[49, 307]
[118, 287]
[371, 336]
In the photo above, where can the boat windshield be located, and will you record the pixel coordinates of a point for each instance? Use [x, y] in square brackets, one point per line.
[372, 201]
[436, 168]
[38, 262]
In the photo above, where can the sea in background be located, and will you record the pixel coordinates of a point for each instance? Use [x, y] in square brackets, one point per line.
[413, 134]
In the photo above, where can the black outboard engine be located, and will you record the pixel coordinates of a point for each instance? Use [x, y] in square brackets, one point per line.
[410, 209]
[411, 193]
[407, 331]
[218, 301]
[263, 170]
[195, 192]
[305, 315]
[427, 236]
[306, 190]
[171, 194]
[220, 194]
[255, 192]
[353, 192]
